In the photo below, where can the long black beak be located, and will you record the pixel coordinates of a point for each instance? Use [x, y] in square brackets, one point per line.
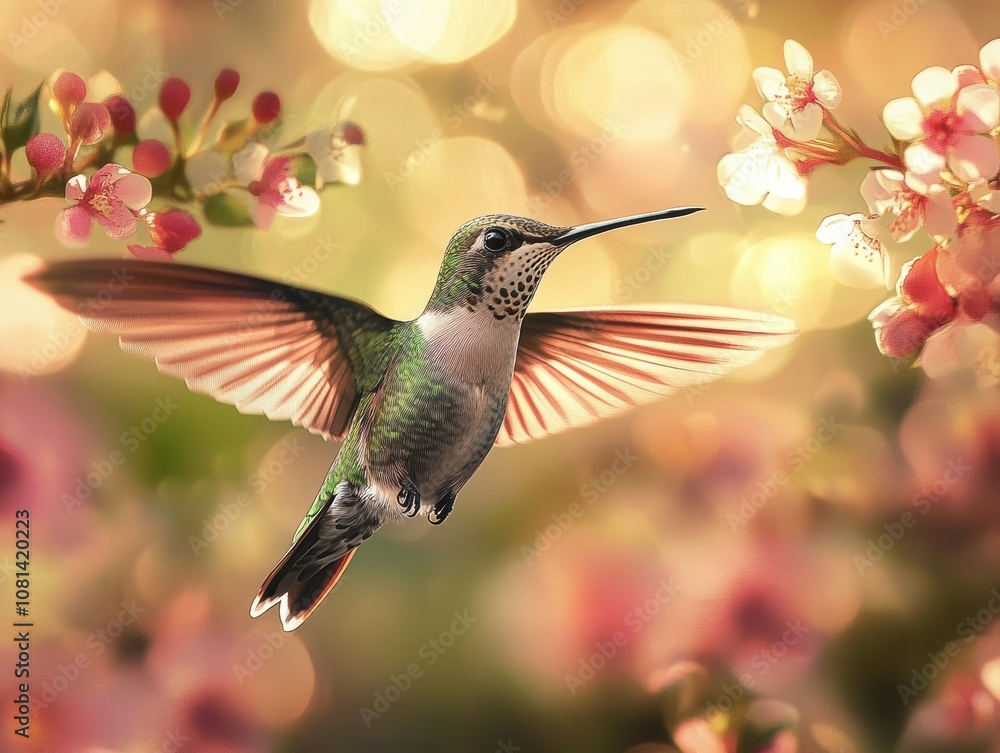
[580, 232]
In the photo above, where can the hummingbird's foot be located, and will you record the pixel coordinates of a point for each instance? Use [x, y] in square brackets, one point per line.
[442, 509]
[409, 497]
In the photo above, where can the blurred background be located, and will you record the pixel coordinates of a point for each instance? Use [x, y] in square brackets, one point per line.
[804, 556]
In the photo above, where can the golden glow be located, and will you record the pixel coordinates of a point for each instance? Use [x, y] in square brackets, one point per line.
[378, 35]
[36, 335]
[624, 79]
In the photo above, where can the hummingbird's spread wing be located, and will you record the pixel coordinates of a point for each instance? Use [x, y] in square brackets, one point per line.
[263, 346]
[574, 367]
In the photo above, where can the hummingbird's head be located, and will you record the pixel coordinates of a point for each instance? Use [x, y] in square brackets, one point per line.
[496, 261]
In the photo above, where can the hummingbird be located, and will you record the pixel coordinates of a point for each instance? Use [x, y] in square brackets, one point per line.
[417, 405]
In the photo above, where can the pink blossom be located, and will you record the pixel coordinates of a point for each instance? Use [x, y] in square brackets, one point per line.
[858, 258]
[273, 189]
[89, 123]
[886, 191]
[944, 121]
[973, 257]
[922, 304]
[989, 61]
[172, 229]
[963, 345]
[795, 104]
[112, 197]
[759, 172]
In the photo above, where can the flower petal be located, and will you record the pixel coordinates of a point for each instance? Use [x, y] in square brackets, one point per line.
[744, 175]
[262, 214]
[973, 157]
[248, 163]
[789, 184]
[989, 59]
[806, 123]
[207, 173]
[776, 114]
[298, 200]
[835, 228]
[827, 89]
[879, 190]
[940, 218]
[922, 161]
[979, 107]
[118, 221]
[134, 190]
[76, 187]
[903, 118]
[934, 85]
[73, 225]
[857, 259]
[784, 207]
[769, 82]
[747, 116]
[797, 59]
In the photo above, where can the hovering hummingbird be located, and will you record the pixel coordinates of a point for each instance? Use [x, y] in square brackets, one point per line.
[417, 404]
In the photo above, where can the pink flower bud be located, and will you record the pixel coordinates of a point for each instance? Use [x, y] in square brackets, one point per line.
[89, 123]
[266, 107]
[69, 90]
[151, 158]
[922, 286]
[122, 115]
[174, 97]
[45, 153]
[173, 229]
[352, 134]
[226, 84]
[904, 334]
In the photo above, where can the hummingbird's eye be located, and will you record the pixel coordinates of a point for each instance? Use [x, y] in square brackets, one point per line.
[496, 240]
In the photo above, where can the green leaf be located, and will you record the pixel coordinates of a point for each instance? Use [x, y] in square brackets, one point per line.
[19, 121]
[307, 170]
[227, 210]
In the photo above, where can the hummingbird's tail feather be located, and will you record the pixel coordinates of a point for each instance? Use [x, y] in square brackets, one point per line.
[317, 559]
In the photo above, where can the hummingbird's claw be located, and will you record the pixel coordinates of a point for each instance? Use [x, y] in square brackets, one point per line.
[442, 509]
[409, 497]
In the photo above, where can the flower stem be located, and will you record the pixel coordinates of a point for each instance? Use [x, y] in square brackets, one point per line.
[860, 148]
